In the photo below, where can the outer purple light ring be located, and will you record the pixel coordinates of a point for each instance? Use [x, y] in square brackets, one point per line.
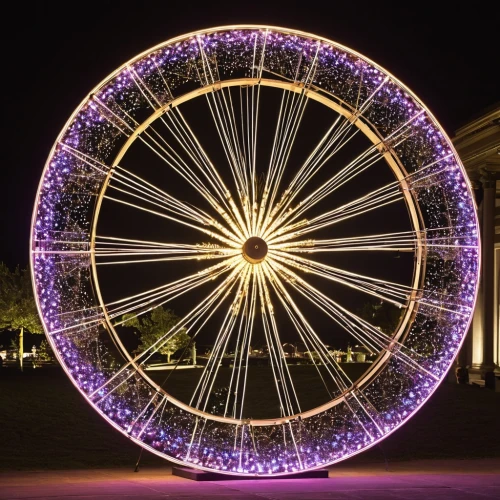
[61, 236]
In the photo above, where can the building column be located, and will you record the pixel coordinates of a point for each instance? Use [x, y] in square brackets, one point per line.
[464, 356]
[488, 269]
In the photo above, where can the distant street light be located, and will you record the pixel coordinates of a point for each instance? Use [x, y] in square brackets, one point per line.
[33, 352]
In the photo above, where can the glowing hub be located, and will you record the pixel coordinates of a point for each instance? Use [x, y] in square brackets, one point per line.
[255, 250]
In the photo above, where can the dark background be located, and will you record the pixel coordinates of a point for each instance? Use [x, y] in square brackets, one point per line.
[56, 53]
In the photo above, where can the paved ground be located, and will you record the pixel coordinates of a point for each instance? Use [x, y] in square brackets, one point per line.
[440, 480]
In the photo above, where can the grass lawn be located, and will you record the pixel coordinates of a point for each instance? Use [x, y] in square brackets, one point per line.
[46, 424]
[262, 400]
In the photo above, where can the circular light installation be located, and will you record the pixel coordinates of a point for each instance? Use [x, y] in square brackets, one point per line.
[287, 178]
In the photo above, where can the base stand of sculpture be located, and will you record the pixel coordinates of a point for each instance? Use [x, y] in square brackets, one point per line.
[200, 475]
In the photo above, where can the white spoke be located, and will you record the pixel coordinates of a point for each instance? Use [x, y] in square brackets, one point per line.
[360, 329]
[238, 381]
[309, 337]
[389, 291]
[332, 142]
[188, 322]
[230, 240]
[405, 241]
[291, 113]
[376, 199]
[252, 106]
[189, 143]
[338, 376]
[366, 159]
[127, 246]
[130, 251]
[143, 302]
[209, 375]
[285, 390]
[224, 118]
[334, 139]
[138, 187]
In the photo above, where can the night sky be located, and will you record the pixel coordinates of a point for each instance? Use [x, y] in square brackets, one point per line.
[57, 55]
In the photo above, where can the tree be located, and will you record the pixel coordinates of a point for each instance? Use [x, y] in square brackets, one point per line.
[45, 352]
[383, 315]
[154, 326]
[18, 311]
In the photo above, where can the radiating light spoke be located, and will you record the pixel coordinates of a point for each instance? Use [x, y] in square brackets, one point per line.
[200, 398]
[291, 113]
[405, 241]
[370, 157]
[394, 293]
[309, 337]
[109, 247]
[366, 159]
[289, 403]
[223, 115]
[186, 140]
[338, 135]
[238, 381]
[188, 322]
[230, 242]
[334, 139]
[145, 190]
[376, 199]
[144, 301]
[338, 376]
[226, 207]
[361, 330]
[290, 117]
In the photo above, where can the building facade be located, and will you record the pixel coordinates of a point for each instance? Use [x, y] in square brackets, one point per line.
[478, 145]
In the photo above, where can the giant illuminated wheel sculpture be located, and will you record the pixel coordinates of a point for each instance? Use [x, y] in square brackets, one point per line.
[264, 184]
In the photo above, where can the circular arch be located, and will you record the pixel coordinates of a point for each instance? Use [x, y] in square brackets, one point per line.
[268, 136]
